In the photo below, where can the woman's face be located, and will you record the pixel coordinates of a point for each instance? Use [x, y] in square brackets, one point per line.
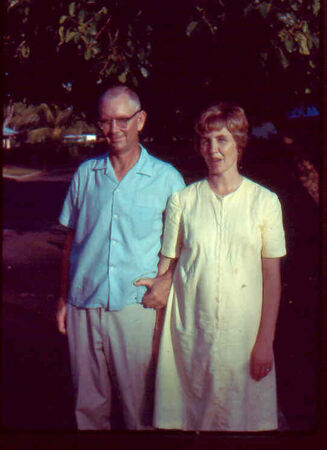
[219, 150]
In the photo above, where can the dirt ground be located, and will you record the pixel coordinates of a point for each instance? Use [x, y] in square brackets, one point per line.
[37, 392]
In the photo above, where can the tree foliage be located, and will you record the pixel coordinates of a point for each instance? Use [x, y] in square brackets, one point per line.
[112, 37]
[45, 123]
[178, 44]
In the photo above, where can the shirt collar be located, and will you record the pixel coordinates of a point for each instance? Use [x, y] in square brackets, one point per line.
[143, 165]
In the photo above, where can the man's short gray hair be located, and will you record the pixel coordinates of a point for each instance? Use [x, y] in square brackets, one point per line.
[115, 91]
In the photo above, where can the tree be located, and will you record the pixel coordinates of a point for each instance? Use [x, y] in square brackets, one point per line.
[191, 51]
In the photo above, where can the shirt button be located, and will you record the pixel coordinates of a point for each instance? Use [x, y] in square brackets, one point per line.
[115, 216]
[118, 190]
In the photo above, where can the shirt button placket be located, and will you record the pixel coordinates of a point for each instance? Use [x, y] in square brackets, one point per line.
[112, 243]
[219, 259]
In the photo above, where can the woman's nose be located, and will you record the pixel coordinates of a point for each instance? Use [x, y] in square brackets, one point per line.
[213, 148]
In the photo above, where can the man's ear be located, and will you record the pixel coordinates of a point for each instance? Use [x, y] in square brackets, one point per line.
[141, 119]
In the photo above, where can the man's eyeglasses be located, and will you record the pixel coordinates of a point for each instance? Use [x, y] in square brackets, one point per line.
[121, 122]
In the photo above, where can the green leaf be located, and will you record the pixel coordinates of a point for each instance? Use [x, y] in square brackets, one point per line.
[81, 16]
[316, 7]
[92, 29]
[305, 27]
[62, 19]
[70, 35]
[289, 44]
[71, 9]
[191, 27]
[96, 50]
[25, 51]
[295, 6]
[110, 69]
[122, 77]
[12, 3]
[315, 40]
[144, 72]
[88, 54]
[303, 43]
[310, 43]
[134, 80]
[264, 8]
[283, 59]
[61, 34]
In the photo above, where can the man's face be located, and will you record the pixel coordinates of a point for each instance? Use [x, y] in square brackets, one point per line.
[219, 150]
[123, 137]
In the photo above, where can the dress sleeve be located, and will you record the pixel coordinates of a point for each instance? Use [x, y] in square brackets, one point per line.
[69, 212]
[273, 236]
[173, 230]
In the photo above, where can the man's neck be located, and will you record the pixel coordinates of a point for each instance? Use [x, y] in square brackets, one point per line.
[122, 163]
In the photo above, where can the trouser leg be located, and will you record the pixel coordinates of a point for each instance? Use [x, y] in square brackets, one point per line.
[89, 368]
[130, 336]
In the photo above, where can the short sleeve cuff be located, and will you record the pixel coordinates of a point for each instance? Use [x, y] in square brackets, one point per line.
[172, 239]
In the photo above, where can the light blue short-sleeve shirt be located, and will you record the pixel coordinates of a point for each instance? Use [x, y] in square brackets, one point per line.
[118, 229]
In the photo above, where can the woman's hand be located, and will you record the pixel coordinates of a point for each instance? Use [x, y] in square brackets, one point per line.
[262, 359]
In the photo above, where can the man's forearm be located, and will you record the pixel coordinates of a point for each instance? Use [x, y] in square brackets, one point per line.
[158, 288]
[65, 264]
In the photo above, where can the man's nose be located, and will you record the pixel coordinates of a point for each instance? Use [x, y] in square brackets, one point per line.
[113, 126]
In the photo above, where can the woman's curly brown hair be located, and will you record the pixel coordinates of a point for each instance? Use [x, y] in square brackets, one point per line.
[220, 116]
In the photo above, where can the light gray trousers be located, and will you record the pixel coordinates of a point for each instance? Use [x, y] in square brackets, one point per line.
[111, 351]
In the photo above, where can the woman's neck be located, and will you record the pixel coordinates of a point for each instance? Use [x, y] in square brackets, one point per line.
[225, 184]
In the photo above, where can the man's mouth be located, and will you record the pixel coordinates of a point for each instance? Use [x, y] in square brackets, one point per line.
[115, 138]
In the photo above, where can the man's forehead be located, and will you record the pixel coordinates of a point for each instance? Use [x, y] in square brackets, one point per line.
[117, 101]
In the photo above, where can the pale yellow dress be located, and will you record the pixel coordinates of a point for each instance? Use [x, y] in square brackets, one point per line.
[214, 309]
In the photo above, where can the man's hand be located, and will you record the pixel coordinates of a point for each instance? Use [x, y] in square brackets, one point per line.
[61, 315]
[261, 361]
[158, 290]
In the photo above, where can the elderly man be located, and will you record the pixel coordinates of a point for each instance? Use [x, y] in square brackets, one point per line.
[113, 212]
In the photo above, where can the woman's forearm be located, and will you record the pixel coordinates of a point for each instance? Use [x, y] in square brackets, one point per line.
[271, 299]
[166, 266]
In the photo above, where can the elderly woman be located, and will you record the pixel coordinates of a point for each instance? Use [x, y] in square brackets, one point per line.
[224, 235]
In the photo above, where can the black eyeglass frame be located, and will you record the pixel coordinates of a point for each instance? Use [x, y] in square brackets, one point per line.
[122, 122]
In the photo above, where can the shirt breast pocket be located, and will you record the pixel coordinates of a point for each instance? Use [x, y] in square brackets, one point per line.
[146, 215]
